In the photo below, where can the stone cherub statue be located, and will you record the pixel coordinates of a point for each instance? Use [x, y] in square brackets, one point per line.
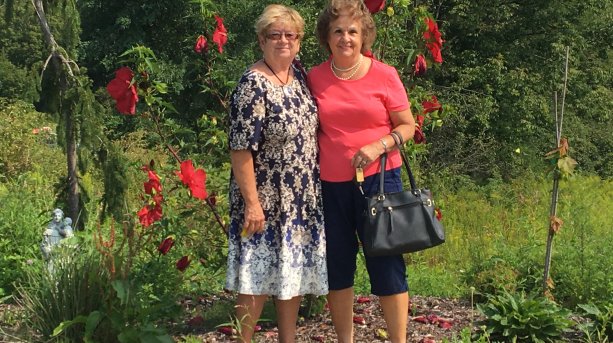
[58, 229]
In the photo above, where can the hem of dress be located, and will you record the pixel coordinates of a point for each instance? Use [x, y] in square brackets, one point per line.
[300, 294]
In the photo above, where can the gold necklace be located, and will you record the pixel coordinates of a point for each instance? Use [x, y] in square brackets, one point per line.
[357, 67]
[275, 74]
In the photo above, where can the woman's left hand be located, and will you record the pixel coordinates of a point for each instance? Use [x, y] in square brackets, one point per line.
[367, 154]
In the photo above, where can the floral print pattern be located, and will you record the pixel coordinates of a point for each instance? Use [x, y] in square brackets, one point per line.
[279, 125]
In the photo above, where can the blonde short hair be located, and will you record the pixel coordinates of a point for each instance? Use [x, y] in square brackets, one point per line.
[279, 14]
[357, 10]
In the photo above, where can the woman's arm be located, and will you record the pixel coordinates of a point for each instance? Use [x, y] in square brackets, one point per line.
[402, 123]
[242, 167]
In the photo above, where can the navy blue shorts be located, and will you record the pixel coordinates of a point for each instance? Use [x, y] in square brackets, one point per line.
[344, 205]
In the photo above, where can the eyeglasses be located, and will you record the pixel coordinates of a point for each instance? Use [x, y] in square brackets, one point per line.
[275, 35]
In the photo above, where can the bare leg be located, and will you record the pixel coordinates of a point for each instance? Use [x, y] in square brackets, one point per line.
[248, 310]
[395, 312]
[341, 310]
[287, 315]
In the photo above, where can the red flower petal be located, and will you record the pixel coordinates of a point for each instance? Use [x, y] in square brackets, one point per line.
[153, 184]
[432, 318]
[166, 245]
[431, 106]
[421, 319]
[220, 35]
[150, 214]
[183, 263]
[445, 325]
[359, 320]
[201, 45]
[374, 6]
[194, 179]
[124, 73]
[226, 330]
[419, 136]
[124, 93]
[434, 40]
[196, 321]
[362, 300]
[420, 66]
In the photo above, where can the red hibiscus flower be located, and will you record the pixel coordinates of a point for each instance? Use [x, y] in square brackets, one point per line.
[194, 179]
[153, 184]
[220, 35]
[183, 263]
[201, 45]
[149, 214]
[123, 91]
[434, 41]
[431, 106]
[420, 66]
[374, 6]
[166, 245]
[419, 136]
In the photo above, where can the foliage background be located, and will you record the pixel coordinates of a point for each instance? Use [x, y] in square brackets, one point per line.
[503, 61]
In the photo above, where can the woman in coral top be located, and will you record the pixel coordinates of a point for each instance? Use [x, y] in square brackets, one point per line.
[363, 112]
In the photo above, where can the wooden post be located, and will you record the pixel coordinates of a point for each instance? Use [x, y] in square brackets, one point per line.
[556, 177]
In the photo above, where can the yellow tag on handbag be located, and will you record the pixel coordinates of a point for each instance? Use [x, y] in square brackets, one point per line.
[359, 175]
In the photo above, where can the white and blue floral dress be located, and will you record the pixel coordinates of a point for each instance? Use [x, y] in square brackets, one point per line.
[279, 125]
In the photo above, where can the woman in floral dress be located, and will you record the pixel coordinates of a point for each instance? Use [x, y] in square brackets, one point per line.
[276, 236]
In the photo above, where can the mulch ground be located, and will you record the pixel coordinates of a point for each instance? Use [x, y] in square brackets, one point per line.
[430, 320]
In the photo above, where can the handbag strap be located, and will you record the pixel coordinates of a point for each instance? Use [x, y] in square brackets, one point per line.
[405, 161]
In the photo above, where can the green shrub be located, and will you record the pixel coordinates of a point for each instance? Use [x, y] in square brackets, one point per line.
[26, 208]
[24, 145]
[600, 325]
[521, 318]
[76, 287]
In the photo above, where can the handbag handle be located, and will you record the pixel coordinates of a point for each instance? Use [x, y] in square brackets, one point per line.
[405, 161]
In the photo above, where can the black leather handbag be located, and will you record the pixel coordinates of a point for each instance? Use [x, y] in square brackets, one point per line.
[400, 222]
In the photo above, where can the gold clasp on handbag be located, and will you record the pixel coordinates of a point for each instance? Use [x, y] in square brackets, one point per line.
[373, 211]
[429, 202]
[359, 178]
[381, 197]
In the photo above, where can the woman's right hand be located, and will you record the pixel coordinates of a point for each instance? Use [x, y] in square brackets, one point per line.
[255, 221]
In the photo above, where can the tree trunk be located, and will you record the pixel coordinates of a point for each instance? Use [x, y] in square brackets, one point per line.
[73, 176]
[63, 66]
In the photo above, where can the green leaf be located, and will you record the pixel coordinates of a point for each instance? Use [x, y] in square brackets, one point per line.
[122, 289]
[68, 323]
[92, 322]
[567, 165]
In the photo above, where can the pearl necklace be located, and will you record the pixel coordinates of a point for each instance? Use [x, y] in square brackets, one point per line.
[355, 68]
[347, 69]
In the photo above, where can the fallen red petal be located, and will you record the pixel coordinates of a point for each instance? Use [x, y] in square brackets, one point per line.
[362, 300]
[421, 319]
[432, 318]
[226, 330]
[445, 324]
[359, 320]
[196, 321]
